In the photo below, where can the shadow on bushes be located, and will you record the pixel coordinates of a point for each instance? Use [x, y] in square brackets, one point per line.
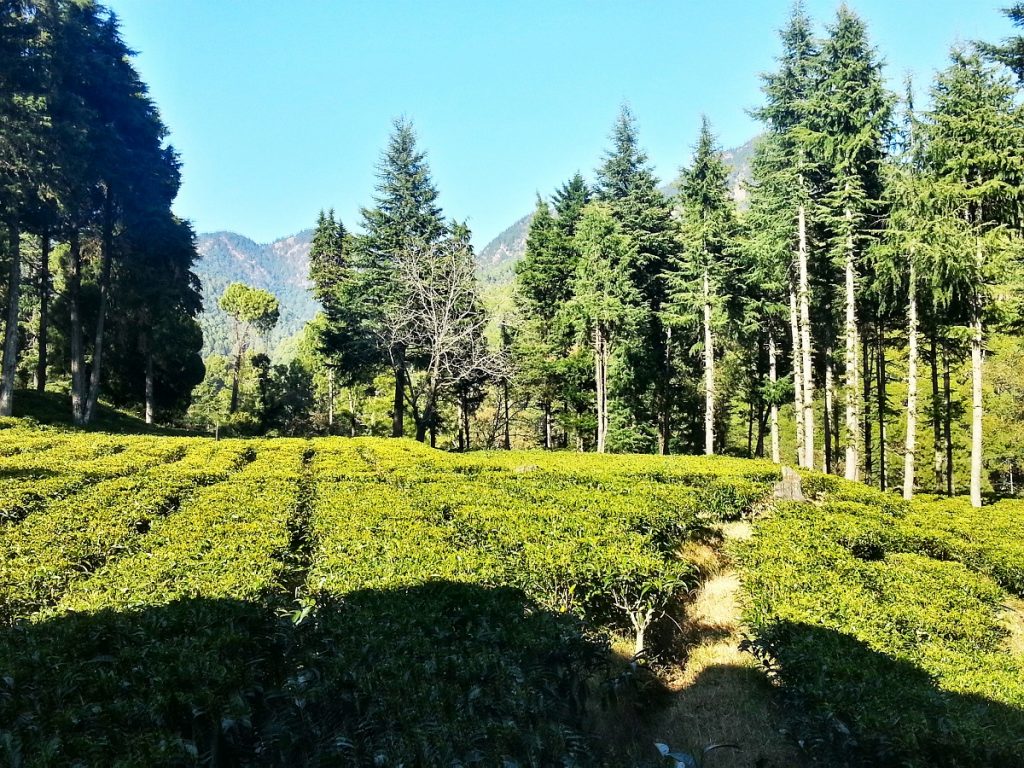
[864, 708]
[443, 674]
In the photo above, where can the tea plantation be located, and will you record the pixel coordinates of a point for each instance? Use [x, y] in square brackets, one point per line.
[362, 602]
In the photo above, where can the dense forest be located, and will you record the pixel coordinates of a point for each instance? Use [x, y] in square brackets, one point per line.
[858, 312]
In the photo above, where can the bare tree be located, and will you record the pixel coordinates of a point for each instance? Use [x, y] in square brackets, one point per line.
[439, 321]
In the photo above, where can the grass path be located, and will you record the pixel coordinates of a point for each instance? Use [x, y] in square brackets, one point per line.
[719, 695]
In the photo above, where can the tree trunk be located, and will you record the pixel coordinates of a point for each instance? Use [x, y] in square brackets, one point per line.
[750, 428]
[936, 412]
[508, 415]
[868, 425]
[106, 259]
[44, 311]
[397, 421]
[10, 353]
[805, 335]
[77, 342]
[330, 400]
[150, 404]
[773, 376]
[910, 445]
[881, 391]
[947, 418]
[977, 360]
[831, 437]
[852, 459]
[600, 381]
[547, 425]
[465, 424]
[665, 433]
[352, 412]
[709, 372]
[798, 376]
[236, 376]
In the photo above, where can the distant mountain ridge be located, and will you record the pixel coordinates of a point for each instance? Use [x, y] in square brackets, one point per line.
[282, 267]
[498, 258]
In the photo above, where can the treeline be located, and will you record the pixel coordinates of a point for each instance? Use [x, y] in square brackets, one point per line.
[872, 231]
[878, 248]
[99, 294]
[402, 297]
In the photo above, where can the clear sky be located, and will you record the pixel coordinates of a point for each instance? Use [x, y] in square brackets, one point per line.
[281, 108]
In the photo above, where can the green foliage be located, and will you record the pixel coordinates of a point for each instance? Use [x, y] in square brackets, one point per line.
[452, 608]
[882, 620]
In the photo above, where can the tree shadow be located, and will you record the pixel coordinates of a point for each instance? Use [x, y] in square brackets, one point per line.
[26, 473]
[850, 705]
[442, 674]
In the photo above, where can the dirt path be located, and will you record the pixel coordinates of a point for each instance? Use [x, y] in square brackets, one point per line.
[720, 696]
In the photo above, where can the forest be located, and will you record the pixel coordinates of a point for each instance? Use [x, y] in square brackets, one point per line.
[858, 312]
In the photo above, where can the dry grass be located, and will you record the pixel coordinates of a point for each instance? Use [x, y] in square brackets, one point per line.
[720, 696]
[1013, 620]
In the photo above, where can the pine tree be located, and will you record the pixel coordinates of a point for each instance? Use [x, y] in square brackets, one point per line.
[1011, 52]
[974, 136]
[701, 281]
[605, 299]
[787, 92]
[768, 254]
[848, 128]
[630, 189]
[405, 217]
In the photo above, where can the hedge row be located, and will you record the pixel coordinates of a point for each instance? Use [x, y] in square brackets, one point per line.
[74, 536]
[67, 463]
[229, 540]
[884, 623]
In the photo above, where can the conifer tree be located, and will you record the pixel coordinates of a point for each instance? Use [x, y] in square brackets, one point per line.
[626, 183]
[404, 219]
[848, 127]
[975, 160]
[785, 169]
[703, 275]
[1011, 52]
[605, 300]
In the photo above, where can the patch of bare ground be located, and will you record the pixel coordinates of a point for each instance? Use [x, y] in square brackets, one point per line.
[719, 695]
[1013, 619]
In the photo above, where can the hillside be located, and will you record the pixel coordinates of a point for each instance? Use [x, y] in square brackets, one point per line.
[364, 602]
[280, 267]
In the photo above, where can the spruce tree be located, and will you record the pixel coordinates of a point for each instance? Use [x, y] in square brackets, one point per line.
[1011, 52]
[702, 279]
[629, 187]
[974, 158]
[787, 174]
[848, 128]
[405, 217]
[605, 300]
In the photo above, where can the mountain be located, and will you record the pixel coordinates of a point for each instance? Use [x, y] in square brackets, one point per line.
[281, 267]
[498, 258]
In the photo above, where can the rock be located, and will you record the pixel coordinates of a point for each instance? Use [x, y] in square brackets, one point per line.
[789, 488]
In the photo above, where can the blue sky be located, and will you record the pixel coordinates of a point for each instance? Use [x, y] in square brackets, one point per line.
[281, 108]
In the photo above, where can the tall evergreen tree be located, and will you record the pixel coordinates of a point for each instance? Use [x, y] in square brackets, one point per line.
[975, 160]
[786, 171]
[848, 128]
[701, 280]
[605, 300]
[404, 218]
[626, 183]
